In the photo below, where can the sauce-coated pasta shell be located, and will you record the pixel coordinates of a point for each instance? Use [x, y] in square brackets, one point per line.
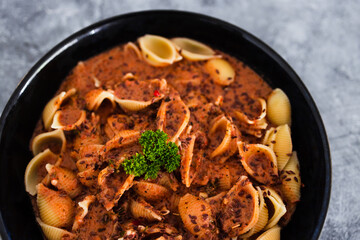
[64, 179]
[68, 120]
[271, 234]
[259, 161]
[191, 157]
[56, 209]
[291, 181]
[173, 116]
[224, 179]
[227, 147]
[54, 233]
[278, 206]
[82, 211]
[151, 191]
[112, 186]
[158, 51]
[279, 108]
[193, 50]
[196, 215]
[168, 180]
[283, 145]
[43, 140]
[95, 98]
[221, 71]
[122, 139]
[140, 209]
[151, 91]
[240, 208]
[53, 105]
[258, 120]
[263, 216]
[116, 123]
[270, 137]
[32, 176]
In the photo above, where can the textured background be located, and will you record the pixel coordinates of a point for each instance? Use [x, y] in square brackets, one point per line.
[320, 40]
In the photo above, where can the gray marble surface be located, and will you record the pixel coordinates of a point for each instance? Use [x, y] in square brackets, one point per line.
[320, 39]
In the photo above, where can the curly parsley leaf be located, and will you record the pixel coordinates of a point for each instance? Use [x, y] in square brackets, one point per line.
[157, 154]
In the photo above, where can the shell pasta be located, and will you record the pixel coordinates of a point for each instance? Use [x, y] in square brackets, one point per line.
[164, 139]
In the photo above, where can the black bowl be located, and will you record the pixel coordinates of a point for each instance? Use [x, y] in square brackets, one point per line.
[24, 108]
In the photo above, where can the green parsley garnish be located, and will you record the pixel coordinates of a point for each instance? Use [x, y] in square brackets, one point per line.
[156, 154]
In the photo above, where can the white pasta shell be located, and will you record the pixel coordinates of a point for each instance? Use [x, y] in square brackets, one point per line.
[177, 107]
[57, 124]
[151, 191]
[279, 108]
[95, 98]
[84, 209]
[240, 198]
[54, 233]
[158, 51]
[283, 145]
[31, 173]
[135, 105]
[55, 208]
[64, 179]
[270, 137]
[263, 216]
[291, 181]
[193, 50]
[139, 208]
[53, 105]
[278, 206]
[271, 234]
[130, 46]
[227, 146]
[42, 139]
[259, 161]
[192, 210]
[221, 71]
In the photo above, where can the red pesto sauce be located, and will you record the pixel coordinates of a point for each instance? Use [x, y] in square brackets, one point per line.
[197, 89]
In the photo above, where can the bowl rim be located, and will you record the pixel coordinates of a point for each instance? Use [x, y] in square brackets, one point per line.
[71, 40]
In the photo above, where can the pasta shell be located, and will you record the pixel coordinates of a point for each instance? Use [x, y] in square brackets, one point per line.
[161, 228]
[259, 161]
[68, 120]
[191, 157]
[270, 137]
[279, 108]
[227, 147]
[240, 208]
[168, 180]
[151, 191]
[196, 215]
[122, 139]
[283, 145]
[173, 116]
[271, 234]
[130, 46]
[263, 216]
[53, 105]
[278, 207]
[193, 50]
[215, 202]
[112, 186]
[221, 71]
[88, 177]
[224, 179]
[55, 208]
[139, 208]
[64, 179]
[116, 123]
[54, 233]
[291, 181]
[83, 211]
[134, 95]
[43, 140]
[32, 176]
[95, 98]
[158, 51]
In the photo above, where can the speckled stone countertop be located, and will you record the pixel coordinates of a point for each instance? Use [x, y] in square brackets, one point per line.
[319, 39]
